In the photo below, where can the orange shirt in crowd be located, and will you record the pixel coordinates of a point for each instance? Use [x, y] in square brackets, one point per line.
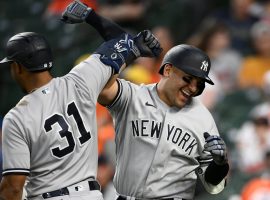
[256, 189]
[252, 71]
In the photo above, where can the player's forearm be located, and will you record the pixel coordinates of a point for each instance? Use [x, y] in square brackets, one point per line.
[105, 27]
[10, 195]
[214, 173]
[11, 187]
[109, 92]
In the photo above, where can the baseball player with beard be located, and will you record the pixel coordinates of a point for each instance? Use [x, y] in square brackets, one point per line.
[166, 139]
[50, 136]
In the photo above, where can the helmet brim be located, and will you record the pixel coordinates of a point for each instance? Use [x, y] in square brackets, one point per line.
[197, 73]
[5, 61]
[192, 72]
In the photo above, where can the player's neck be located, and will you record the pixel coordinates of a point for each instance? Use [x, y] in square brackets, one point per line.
[160, 91]
[37, 80]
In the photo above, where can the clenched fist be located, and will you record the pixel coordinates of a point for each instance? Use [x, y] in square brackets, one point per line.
[217, 147]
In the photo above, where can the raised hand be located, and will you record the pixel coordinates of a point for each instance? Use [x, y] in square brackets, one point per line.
[76, 12]
[147, 44]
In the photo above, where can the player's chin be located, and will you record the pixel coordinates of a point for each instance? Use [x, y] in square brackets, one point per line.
[182, 100]
[180, 105]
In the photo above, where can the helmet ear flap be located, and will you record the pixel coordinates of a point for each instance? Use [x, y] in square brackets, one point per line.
[200, 89]
[161, 70]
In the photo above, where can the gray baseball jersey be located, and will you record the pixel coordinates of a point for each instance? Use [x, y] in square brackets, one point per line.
[51, 134]
[159, 148]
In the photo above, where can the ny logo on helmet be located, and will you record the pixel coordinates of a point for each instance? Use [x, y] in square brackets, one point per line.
[204, 65]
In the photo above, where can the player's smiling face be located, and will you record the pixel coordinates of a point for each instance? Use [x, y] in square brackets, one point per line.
[179, 87]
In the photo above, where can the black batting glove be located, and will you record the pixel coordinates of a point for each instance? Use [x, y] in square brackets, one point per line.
[148, 44]
[217, 147]
[76, 12]
[118, 51]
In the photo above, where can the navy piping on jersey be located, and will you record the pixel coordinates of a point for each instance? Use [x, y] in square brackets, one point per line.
[21, 171]
[118, 95]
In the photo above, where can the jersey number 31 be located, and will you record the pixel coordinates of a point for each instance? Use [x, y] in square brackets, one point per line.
[65, 133]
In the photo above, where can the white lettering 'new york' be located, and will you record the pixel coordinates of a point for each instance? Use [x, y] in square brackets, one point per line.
[175, 135]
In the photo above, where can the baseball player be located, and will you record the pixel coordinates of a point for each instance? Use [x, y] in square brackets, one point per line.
[50, 136]
[166, 138]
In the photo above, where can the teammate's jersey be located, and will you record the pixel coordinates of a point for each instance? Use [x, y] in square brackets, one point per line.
[159, 148]
[51, 134]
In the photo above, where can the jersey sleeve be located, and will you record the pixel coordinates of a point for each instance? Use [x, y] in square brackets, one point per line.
[16, 154]
[121, 102]
[91, 75]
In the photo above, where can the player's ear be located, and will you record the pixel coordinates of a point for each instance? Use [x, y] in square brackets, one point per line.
[167, 70]
[15, 67]
[20, 68]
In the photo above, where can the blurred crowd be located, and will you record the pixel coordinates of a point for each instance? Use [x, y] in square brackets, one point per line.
[234, 33]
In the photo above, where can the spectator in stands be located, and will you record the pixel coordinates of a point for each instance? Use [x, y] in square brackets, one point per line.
[258, 188]
[214, 38]
[253, 141]
[255, 66]
[261, 9]
[174, 15]
[128, 13]
[239, 19]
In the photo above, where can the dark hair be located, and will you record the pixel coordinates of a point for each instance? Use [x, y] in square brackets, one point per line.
[261, 121]
[210, 29]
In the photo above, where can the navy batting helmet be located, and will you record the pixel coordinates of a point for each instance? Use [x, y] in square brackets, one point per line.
[29, 49]
[189, 59]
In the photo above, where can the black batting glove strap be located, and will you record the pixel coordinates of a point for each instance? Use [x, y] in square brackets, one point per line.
[117, 51]
[214, 173]
[217, 147]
